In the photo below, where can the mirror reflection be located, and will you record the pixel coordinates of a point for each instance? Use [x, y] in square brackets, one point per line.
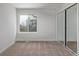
[61, 27]
[72, 28]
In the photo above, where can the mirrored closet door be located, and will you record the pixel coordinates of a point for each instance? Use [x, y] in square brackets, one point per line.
[71, 28]
[61, 27]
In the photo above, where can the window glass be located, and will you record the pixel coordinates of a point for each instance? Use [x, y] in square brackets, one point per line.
[28, 23]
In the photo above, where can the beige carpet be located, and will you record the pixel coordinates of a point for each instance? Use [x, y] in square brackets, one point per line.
[36, 49]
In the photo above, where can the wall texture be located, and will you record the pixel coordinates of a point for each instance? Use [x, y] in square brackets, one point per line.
[7, 26]
[46, 26]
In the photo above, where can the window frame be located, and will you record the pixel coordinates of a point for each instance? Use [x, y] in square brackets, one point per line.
[18, 24]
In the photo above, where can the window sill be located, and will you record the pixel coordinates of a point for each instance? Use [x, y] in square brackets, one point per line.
[26, 32]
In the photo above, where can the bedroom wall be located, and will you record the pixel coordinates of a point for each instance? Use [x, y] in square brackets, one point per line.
[46, 26]
[7, 25]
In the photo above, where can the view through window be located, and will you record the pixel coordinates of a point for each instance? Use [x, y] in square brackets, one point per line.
[28, 23]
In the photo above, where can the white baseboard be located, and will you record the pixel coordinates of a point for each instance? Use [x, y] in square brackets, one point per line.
[7, 46]
[36, 40]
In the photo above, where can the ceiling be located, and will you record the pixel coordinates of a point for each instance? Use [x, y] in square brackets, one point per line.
[52, 7]
[28, 5]
[37, 5]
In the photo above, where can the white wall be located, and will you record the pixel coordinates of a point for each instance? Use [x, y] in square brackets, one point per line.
[46, 26]
[78, 29]
[7, 26]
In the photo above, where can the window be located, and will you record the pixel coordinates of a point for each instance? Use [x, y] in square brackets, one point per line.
[28, 23]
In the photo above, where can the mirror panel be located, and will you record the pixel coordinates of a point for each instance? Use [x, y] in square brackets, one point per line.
[61, 27]
[71, 17]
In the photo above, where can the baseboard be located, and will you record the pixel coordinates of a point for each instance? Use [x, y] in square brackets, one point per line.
[7, 46]
[36, 40]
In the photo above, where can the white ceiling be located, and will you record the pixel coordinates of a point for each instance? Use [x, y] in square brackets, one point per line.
[37, 5]
[47, 7]
[28, 5]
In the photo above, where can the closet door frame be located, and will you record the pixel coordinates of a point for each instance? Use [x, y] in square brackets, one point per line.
[66, 24]
[65, 41]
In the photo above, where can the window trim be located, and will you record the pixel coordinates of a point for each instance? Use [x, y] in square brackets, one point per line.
[18, 24]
